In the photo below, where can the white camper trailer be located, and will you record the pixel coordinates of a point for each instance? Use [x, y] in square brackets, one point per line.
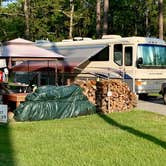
[141, 61]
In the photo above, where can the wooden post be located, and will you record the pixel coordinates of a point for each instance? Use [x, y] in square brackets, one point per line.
[56, 72]
[68, 81]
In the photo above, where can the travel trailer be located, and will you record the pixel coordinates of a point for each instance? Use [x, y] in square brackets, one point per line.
[140, 61]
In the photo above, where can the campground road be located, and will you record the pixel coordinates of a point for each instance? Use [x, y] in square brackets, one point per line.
[152, 104]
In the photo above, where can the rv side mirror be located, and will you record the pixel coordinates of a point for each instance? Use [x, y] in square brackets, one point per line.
[139, 62]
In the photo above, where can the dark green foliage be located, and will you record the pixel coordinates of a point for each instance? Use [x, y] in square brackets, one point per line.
[11, 22]
[51, 19]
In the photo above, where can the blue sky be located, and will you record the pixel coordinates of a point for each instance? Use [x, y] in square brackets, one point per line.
[8, 2]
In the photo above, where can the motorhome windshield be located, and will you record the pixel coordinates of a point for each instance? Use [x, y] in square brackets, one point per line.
[152, 56]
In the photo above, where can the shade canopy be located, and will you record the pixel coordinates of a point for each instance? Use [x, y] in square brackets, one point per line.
[23, 50]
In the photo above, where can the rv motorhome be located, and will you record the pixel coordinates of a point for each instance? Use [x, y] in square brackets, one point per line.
[140, 61]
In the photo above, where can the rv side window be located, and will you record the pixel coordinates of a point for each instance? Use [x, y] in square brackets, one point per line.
[128, 56]
[118, 58]
[102, 55]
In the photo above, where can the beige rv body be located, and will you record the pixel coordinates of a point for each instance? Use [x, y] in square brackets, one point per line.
[141, 80]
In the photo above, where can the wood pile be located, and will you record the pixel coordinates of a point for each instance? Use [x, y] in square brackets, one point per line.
[108, 95]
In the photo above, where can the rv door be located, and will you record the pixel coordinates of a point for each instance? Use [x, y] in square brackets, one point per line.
[128, 69]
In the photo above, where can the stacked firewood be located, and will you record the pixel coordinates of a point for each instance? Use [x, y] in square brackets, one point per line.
[108, 95]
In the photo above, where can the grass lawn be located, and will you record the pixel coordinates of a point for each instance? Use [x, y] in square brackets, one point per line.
[133, 138]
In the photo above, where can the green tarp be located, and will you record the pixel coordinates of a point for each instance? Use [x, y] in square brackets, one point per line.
[51, 102]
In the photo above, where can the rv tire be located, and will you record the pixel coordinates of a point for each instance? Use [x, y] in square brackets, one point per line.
[143, 96]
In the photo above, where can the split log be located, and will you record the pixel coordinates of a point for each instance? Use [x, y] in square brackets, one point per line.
[109, 95]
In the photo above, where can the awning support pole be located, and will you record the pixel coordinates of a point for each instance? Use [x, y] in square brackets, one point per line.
[48, 79]
[56, 72]
[28, 73]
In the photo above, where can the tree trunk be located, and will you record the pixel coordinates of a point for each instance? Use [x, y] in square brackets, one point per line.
[147, 24]
[160, 15]
[26, 12]
[105, 25]
[71, 19]
[147, 21]
[98, 18]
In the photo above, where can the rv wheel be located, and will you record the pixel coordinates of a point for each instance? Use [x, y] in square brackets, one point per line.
[143, 96]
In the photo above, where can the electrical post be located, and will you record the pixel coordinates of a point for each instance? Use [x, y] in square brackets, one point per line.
[109, 93]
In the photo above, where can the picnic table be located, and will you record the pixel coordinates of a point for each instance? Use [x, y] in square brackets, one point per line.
[17, 98]
[13, 92]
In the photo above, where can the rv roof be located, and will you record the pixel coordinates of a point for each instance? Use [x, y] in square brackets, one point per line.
[149, 40]
[129, 40]
[125, 40]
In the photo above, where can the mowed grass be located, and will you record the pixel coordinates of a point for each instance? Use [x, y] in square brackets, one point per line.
[135, 138]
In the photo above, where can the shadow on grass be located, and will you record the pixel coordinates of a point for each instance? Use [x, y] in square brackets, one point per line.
[6, 150]
[133, 131]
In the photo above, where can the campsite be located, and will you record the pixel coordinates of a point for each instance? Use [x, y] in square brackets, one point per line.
[82, 83]
[23, 61]
[88, 122]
